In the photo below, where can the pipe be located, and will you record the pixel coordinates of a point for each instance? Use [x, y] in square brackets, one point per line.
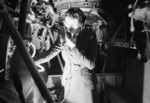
[22, 18]
[25, 55]
[2, 7]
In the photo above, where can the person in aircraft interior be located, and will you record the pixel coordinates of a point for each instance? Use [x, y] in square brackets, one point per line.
[78, 46]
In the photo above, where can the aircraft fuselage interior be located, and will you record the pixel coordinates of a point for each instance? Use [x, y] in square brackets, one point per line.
[29, 28]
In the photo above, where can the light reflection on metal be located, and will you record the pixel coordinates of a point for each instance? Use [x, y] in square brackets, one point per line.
[130, 45]
[10, 50]
[40, 68]
[1, 70]
[34, 49]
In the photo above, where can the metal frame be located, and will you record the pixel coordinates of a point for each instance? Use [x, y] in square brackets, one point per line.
[15, 34]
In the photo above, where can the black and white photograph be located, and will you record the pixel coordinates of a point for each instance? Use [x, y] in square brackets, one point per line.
[74, 51]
